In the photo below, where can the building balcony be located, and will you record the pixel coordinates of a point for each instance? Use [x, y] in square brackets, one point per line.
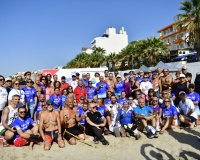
[176, 41]
[168, 44]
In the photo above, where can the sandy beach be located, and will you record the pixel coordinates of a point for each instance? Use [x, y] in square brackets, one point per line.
[173, 145]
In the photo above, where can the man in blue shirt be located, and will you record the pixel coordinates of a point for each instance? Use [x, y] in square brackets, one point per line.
[101, 88]
[126, 118]
[145, 115]
[23, 134]
[123, 98]
[57, 101]
[119, 86]
[91, 91]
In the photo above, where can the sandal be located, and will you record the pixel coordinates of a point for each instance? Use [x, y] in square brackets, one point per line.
[161, 132]
[5, 144]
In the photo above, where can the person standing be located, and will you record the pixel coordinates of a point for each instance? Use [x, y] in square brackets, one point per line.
[188, 75]
[102, 88]
[31, 97]
[3, 95]
[80, 91]
[16, 90]
[8, 84]
[91, 91]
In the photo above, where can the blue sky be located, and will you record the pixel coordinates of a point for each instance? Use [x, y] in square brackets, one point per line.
[42, 34]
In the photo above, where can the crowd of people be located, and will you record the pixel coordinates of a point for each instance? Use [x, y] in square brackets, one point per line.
[47, 110]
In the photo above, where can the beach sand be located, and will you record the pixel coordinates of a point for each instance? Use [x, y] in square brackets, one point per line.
[177, 144]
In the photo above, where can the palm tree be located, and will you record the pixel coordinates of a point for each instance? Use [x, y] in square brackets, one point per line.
[97, 57]
[112, 57]
[153, 51]
[190, 19]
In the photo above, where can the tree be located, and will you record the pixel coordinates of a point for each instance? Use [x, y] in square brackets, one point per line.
[111, 58]
[190, 19]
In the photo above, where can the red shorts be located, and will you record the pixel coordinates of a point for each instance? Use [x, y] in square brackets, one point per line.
[20, 142]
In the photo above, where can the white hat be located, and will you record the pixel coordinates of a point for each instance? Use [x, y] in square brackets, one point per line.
[184, 67]
[181, 92]
[118, 76]
[8, 79]
[182, 75]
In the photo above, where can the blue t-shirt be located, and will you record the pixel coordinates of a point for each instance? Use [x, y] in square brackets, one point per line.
[22, 124]
[57, 101]
[43, 88]
[107, 101]
[80, 112]
[171, 111]
[149, 79]
[102, 110]
[102, 90]
[138, 79]
[91, 92]
[84, 82]
[30, 94]
[193, 96]
[127, 116]
[119, 87]
[63, 98]
[38, 110]
[121, 101]
[146, 110]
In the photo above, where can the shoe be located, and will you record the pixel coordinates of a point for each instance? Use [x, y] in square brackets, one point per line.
[106, 132]
[96, 140]
[157, 129]
[155, 135]
[105, 142]
[116, 131]
[150, 135]
[138, 136]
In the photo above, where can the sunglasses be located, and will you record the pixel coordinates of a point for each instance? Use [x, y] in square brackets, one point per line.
[191, 87]
[16, 83]
[22, 112]
[43, 79]
[49, 104]
[90, 83]
[94, 107]
[28, 82]
[1, 79]
[154, 100]
[69, 88]
[166, 101]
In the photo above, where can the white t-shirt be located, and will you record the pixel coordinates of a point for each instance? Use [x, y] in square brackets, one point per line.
[73, 84]
[18, 92]
[145, 86]
[3, 97]
[187, 107]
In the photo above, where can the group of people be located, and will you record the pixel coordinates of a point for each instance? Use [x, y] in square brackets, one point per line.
[47, 110]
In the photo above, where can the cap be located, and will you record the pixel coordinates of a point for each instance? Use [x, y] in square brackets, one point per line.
[181, 92]
[82, 98]
[118, 76]
[49, 102]
[8, 79]
[184, 67]
[191, 85]
[77, 73]
[63, 77]
[182, 75]
[73, 75]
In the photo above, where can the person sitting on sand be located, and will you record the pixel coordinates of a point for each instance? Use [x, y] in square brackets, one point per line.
[169, 115]
[9, 115]
[50, 128]
[95, 125]
[69, 119]
[126, 118]
[187, 110]
[145, 115]
[24, 134]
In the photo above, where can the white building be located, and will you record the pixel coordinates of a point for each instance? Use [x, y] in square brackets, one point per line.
[110, 41]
